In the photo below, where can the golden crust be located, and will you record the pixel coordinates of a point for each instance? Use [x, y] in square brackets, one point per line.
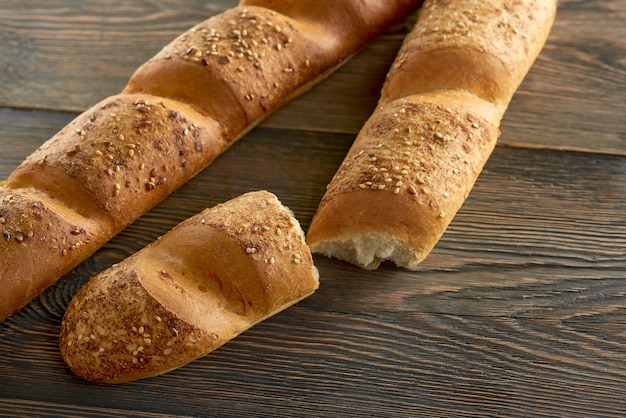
[330, 22]
[179, 111]
[483, 47]
[206, 281]
[113, 330]
[39, 237]
[406, 176]
[124, 155]
[247, 61]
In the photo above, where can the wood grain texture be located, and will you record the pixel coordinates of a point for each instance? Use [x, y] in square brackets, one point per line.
[588, 43]
[519, 311]
[66, 55]
[69, 55]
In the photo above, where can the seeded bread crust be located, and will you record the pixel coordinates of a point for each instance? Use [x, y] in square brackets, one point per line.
[179, 111]
[402, 182]
[416, 159]
[202, 284]
[125, 154]
[32, 223]
[250, 59]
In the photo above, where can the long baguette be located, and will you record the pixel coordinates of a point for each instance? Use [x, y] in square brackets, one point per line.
[418, 156]
[179, 111]
[212, 277]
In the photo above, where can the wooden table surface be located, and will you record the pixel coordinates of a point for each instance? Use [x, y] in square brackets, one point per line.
[519, 311]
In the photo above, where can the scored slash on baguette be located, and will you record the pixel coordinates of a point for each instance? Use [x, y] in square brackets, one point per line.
[210, 278]
[416, 159]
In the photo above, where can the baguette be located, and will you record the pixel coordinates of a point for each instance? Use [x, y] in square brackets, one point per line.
[210, 278]
[417, 157]
[177, 113]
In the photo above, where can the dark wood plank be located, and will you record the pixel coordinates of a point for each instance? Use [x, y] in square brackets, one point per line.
[574, 96]
[572, 99]
[23, 131]
[50, 66]
[519, 309]
[13, 408]
[336, 364]
[67, 56]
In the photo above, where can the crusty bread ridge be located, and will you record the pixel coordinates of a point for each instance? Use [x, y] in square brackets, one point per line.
[416, 159]
[179, 111]
[210, 278]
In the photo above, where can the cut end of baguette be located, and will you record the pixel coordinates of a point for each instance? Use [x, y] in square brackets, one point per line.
[398, 189]
[369, 227]
[369, 251]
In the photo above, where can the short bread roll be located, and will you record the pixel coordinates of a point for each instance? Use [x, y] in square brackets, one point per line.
[418, 156]
[189, 292]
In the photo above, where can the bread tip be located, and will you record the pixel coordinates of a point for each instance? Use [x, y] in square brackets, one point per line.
[210, 278]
